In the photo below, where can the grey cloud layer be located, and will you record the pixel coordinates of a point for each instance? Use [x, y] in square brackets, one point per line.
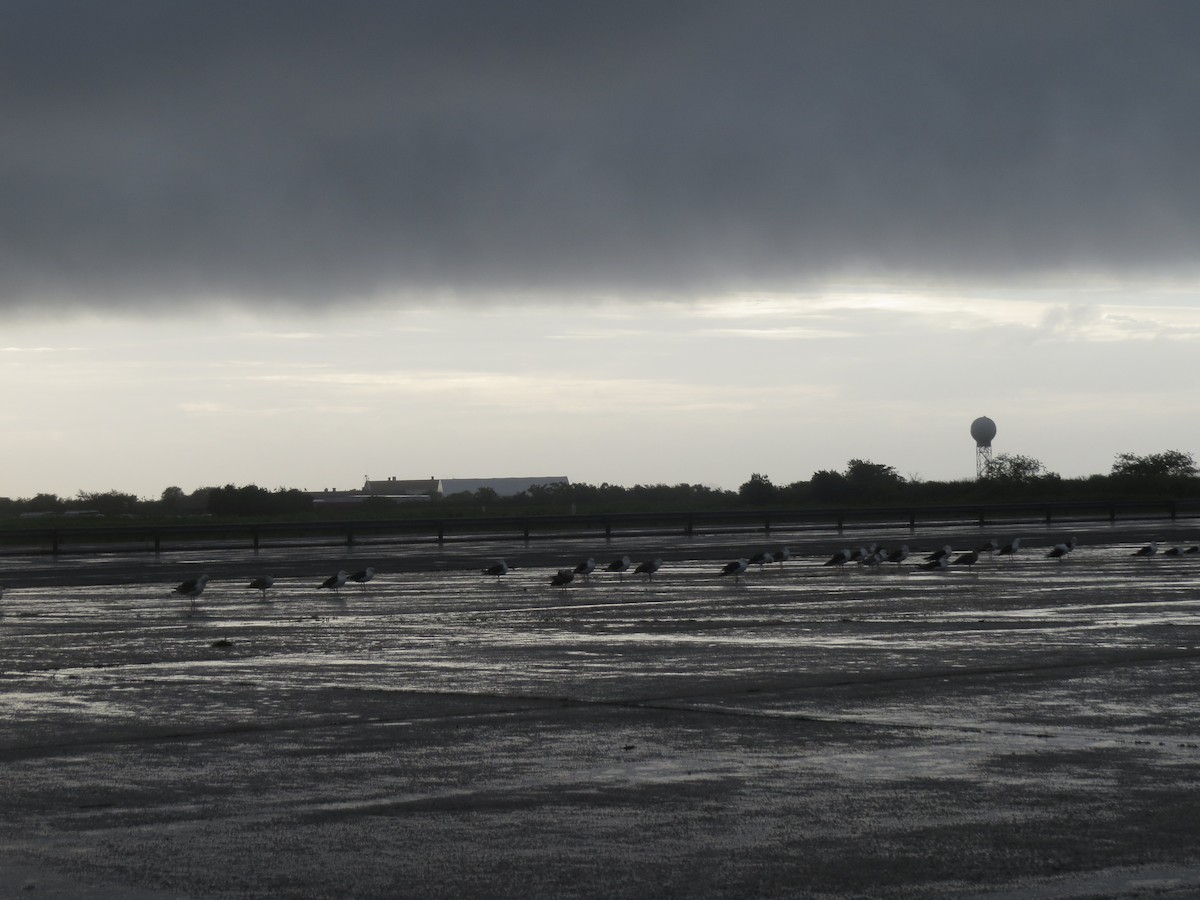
[311, 151]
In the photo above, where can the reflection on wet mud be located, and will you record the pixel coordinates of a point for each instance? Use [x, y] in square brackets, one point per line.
[771, 700]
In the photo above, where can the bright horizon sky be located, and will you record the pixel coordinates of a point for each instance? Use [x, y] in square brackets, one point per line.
[314, 242]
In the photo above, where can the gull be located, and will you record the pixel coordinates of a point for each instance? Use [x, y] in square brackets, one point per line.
[563, 576]
[1061, 551]
[1011, 547]
[989, 547]
[735, 568]
[586, 568]
[862, 553]
[838, 559]
[1173, 551]
[500, 568]
[783, 556]
[1148, 551]
[335, 581]
[935, 565]
[362, 576]
[261, 583]
[193, 587]
[899, 555]
[873, 559]
[650, 566]
[966, 559]
[620, 566]
[1195, 548]
[942, 553]
[761, 558]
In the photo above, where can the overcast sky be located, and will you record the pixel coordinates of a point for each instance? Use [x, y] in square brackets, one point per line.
[297, 243]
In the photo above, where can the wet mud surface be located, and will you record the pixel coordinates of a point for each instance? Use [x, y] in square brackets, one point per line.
[1025, 728]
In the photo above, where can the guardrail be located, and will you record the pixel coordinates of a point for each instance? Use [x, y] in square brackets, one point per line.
[59, 539]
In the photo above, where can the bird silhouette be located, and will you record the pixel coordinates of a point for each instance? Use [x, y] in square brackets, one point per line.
[261, 583]
[563, 576]
[335, 581]
[761, 558]
[649, 567]
[735, 568]
[1061, 551]
[362, 576]
[620, 566]
[966, 559]
[586, 568]
[498, 569]
[193, 587]
[839, 559]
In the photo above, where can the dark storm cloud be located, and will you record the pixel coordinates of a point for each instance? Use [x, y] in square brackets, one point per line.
[312, 151]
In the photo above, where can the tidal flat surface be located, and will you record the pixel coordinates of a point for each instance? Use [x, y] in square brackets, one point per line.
[1025, 728]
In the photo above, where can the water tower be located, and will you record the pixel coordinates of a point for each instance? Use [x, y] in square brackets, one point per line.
[983, 430]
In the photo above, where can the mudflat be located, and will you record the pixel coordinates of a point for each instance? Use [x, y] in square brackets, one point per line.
[1021, 728]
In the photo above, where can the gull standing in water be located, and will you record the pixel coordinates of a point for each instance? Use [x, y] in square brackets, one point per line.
[1011, 548]
[193, 588]
[735, 568]
[1061, 551]
[650, 566]
[1148, 551]
[620, 566]
[362, 576]
[335, 581]
[761, 558]
[500, 568]
[586, 568]
[839, 559]
[966, 559]
[563, 576]
[261, 583]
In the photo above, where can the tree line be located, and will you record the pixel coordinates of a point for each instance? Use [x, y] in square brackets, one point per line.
[1171, 474]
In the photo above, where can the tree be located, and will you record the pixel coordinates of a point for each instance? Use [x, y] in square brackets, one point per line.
[829, 486]
[862, 480]
[1169, 463]
[44, 503]
[870, 480]
[758, 491]
[172, 498]
[110, 503]
[1017, 469]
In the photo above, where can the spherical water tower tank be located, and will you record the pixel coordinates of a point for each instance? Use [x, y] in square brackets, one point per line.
[983, 430]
